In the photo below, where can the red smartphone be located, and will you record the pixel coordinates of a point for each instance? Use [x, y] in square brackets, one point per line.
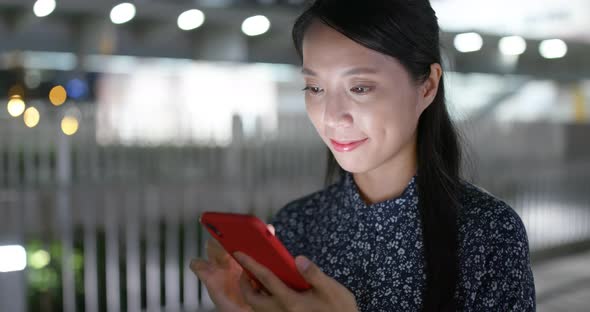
[248, 234]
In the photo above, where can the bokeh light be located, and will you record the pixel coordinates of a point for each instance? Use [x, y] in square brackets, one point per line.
[43, 8]
[17, 90]
[32, 78]
[468, 42]
[69, 125]
[255, 25]
[553, 48]
[16, 106]
[512, 45]
[58, 95]
[190, 19]
[122, 13]
[77, 88]
[31, 117]
[12, 258]
[39, 259]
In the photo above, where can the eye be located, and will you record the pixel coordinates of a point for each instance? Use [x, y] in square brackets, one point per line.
[313, 90]
[361, 90]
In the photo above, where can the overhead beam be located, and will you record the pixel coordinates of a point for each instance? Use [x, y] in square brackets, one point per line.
[154, 33]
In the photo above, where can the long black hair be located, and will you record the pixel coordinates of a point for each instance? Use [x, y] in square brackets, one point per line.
[408, 31]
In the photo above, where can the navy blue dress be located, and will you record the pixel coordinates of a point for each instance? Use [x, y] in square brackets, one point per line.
[376, 251]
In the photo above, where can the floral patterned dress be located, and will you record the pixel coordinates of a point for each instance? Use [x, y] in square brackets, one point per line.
[377, 252]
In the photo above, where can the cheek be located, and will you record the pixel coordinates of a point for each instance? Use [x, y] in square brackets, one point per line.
[386, 119]
[314, 113]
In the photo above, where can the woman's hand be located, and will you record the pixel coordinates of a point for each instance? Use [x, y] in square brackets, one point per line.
[221, 275]
[326, 293]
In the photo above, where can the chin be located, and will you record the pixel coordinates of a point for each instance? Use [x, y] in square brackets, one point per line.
[352, 164]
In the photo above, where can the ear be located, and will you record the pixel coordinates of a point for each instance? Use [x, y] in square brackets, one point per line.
[428, 89]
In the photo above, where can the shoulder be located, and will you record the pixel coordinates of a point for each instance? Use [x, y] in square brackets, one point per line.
[487, 218]
[495, 262]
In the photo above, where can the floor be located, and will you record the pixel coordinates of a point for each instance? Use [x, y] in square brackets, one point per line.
[563, 284]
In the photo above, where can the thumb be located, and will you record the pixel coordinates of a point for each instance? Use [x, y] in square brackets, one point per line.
[311, 272]
[271, 228]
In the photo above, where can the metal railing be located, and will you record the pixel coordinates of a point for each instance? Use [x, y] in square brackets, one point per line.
[120, 222]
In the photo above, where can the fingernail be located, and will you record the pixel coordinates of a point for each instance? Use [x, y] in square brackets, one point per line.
[302, 263]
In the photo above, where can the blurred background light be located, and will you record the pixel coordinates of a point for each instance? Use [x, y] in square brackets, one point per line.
[58, 95]
[216, 3]
[190, 19]
[16, 106]
[76, 88]
[147, 106]
[180, 116]
[39, 259]
[255, 25]
[468, 42]
[48, 60]
[31, 117]
[69, 125]
[123, 13]
[12, 258]
[512, 45]
[17, 90]
[32, 78]
[43, 8]
[553, 48]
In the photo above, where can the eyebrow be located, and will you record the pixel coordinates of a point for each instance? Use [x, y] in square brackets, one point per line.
[352, 71]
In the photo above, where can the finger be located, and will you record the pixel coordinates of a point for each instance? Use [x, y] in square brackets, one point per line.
[216, 253]
[271, 228]
[206, 272]
[314, 275]
[251, 294]
[214, 249]
[199, 264]
[201, 268]
[267, 278]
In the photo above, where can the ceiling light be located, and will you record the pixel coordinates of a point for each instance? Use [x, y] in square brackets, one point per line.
[255, 25]
[122, 13]
[43, 8]
[553, 48]
[512, 45]
[190, 19]
[468, 42]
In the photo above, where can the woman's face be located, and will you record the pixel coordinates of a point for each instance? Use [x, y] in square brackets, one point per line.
[355, 94]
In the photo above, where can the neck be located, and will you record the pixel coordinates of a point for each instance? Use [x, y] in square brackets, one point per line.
[390, 179]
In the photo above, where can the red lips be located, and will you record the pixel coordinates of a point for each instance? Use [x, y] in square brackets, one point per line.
[346, 146]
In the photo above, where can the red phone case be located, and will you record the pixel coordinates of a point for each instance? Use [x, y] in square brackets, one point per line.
[248, 234]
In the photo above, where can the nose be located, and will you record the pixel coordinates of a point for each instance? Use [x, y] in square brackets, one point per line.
[336, 113]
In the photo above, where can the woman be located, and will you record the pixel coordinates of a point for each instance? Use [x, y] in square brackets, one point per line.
[400, 230]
